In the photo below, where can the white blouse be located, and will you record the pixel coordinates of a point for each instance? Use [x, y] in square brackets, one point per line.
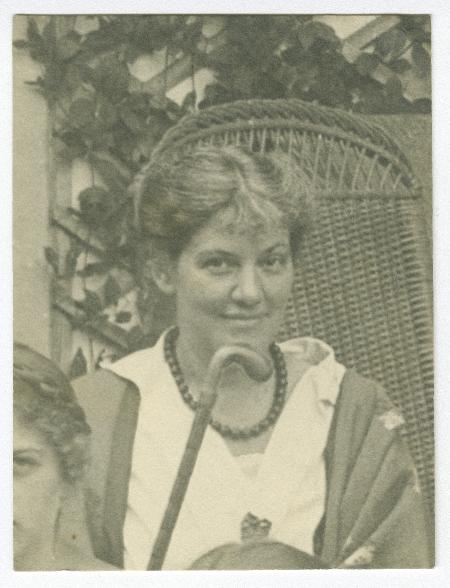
[286, 484]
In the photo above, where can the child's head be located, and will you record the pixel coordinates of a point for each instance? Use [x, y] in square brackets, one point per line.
[257, 555]
[51, 442]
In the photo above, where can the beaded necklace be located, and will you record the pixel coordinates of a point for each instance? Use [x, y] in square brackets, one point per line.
[236, 433]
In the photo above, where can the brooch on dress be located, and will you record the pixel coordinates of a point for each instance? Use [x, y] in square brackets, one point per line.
[253, 528]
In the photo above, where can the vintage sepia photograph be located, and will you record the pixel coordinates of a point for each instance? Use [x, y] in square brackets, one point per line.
[223, 292]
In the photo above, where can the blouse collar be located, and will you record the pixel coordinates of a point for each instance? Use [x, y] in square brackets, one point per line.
[325, 372]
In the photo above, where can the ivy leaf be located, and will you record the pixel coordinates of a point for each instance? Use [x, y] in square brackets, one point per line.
[133, 122]
[114, 173]
[68, 46]
[36, 42]
[224, 56]
[96, 205]
[312, 30]
[111, 78]
[391, 43]
[87, 74]
[52, 258]
[189, 101]
[399, 66]
[78, 365]
[366, 63]
[106, 112]
[109, 35]
[136, 338]
[191, 37]
[422, 106]
[52, 83]
[215, 93]
[100, 357]
[74, 142]
[421, 60]
[393, 87]
[49, 38]
[93, 269]
[70, 262]
[157, 125]
[82, 112]
[137, 102]
[91, 303]
[123, 317]
[111, 291]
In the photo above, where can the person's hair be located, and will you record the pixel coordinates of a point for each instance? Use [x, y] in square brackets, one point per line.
[257, 555]
[176, 198]
[45, 401]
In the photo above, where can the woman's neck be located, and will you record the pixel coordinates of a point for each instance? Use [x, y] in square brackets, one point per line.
[193, 360]
[241, 401]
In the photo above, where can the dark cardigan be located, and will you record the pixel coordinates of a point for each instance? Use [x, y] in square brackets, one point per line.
[374, 515]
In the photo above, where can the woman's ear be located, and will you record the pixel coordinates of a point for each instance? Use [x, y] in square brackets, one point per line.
[163, 274]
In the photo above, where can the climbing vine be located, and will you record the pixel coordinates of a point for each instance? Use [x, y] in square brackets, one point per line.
[101, 114]
[299, 57]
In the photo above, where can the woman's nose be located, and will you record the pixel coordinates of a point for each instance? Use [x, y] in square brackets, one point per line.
[248, 288]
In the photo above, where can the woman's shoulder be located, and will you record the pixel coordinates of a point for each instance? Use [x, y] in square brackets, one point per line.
[362, 390]
[365, 401]
[101, 392]
[312, 360]
[318, 353]
[114, 377]
[112, 380]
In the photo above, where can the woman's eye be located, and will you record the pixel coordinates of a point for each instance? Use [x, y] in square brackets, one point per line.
[275, 262]
[218, 265]
[24, 465]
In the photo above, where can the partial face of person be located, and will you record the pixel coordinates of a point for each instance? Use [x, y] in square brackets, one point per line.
[38, 492]
[232, 284]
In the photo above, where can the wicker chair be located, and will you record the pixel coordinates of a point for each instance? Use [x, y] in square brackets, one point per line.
[362, 281]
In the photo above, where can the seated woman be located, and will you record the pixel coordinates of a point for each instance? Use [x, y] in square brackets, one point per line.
[315, 450]
[51, 442]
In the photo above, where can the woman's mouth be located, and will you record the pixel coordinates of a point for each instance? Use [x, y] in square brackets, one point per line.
[245, 319]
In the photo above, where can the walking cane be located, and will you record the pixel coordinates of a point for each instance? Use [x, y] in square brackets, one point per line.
[258, 368]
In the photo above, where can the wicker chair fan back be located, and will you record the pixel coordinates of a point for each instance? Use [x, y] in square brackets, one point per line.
[360, 281]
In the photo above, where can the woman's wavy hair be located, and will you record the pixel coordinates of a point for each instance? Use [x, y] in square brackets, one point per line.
[45, 401]
[174, 199]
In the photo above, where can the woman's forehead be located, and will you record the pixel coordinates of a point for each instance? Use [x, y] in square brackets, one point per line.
[226, 230]
[229, 221]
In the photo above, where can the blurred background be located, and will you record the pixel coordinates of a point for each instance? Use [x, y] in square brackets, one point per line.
[94, 94]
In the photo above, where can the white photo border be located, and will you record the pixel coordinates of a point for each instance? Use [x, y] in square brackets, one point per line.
[437, 577]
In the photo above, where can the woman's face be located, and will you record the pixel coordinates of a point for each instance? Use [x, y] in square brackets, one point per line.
[232, 284]
[38, 492]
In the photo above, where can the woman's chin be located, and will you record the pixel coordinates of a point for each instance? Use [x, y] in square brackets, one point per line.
[247, 337]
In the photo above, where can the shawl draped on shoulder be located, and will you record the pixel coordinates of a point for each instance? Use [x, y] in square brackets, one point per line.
[374, 514]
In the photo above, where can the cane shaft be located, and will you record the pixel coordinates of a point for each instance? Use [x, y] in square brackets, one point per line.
[258, 368]
[180, 486]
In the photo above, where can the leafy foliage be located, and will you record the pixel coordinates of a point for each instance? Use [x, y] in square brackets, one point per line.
[298, 57]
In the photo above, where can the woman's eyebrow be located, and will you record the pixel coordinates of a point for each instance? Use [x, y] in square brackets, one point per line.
[208, 252]
[279, 244]
[28, 450]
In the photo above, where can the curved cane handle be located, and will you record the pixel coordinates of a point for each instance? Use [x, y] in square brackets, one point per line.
[256, 366]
